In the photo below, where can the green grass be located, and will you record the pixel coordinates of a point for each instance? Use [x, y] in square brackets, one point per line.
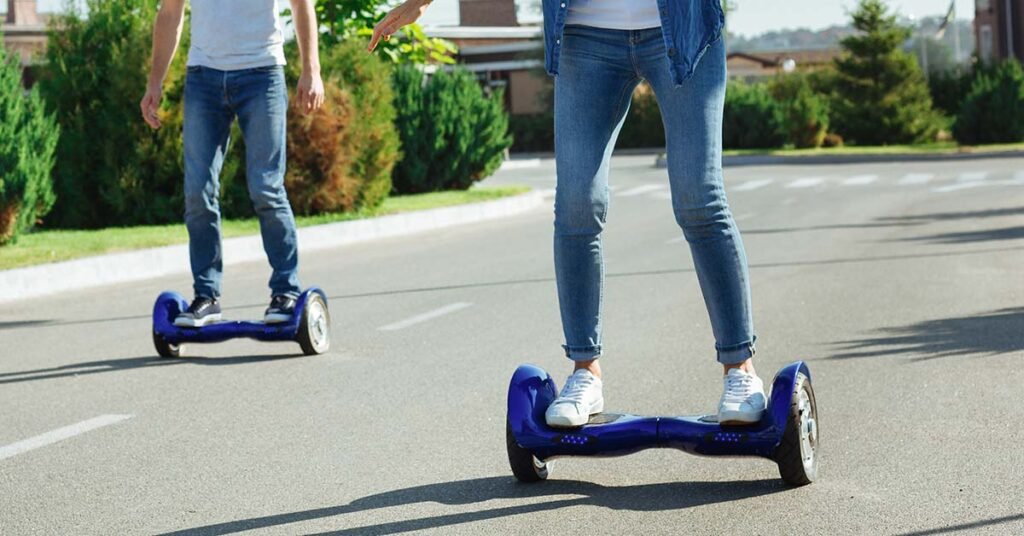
[924, 148]
[53, 246]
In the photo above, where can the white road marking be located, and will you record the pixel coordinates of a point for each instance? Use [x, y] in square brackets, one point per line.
[60, 434]
[958, 186]
[972, 176]
[662, 195]
[860, 180]
[916, 178]
[806, 182]
[675, 240]
[429, 315]
[752, 185]
[970, 179]
[642, 189]
[547, 193]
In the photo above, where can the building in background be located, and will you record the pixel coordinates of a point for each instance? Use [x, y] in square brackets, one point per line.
[24, 31]
[999, 29]
[751, 66]
[502, 53]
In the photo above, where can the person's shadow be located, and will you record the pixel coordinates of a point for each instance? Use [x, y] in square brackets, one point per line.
[128, 363]
[641, 498]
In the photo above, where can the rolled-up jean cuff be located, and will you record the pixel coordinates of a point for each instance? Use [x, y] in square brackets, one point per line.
[735, 354]
[582, 353]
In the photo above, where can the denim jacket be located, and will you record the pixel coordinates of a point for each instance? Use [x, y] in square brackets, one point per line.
[689, 27]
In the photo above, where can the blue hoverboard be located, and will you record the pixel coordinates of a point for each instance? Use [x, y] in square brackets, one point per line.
[787, 434]
[310, 326]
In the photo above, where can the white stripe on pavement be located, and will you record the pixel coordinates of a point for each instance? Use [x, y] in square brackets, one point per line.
[662, 195]
[972, 176]
[59, 434]
[752, 185]
[805, 182]
[860, 180]
[429, 315]
[916, 178]
[958, 186]
[643, 189]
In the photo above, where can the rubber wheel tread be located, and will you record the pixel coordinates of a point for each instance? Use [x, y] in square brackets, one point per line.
[787, 454]
[521, 460]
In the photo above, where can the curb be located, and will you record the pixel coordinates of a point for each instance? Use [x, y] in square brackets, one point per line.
[827, 159]
[89, 272]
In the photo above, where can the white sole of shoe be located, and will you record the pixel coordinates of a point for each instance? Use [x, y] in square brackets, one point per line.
[193, 323]
[567, 421]
[733, 418]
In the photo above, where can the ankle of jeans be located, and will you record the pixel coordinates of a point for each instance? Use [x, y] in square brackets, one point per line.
[582, 353]
[736, 353]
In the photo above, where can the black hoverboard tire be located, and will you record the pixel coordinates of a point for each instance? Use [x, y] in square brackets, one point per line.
[797, 454]
[525, 466]
[164, 348]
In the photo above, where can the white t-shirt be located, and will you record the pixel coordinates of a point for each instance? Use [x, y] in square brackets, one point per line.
[236, 34]
[614, 14]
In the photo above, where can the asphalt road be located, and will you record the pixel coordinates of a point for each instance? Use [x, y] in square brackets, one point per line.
[900, 284]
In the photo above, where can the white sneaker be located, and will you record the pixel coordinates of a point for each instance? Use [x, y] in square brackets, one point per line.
[743, 401]
[580, 398]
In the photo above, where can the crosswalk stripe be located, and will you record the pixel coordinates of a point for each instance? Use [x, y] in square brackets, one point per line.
[916, 178]
[752, 185]
[972, 176]
[806, 182]
[958, 186]
[860, 180]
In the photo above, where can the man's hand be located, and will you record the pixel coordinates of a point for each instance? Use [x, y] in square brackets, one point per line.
[310, 91]
[409, 12]
[150, 105]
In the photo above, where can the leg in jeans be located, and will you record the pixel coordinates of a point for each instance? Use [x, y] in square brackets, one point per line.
[260, 99]
[692, 114]
[592, 94]
[206, 128]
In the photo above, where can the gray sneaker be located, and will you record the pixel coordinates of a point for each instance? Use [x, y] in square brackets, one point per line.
[281, 309]
[203, 311]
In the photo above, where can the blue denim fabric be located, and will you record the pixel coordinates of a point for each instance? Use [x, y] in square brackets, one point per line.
[259, 99]
[689, 27]
[599, 70]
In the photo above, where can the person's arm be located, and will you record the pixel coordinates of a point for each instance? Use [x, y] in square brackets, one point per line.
[310, 90]
[409, 12]
[166, 35]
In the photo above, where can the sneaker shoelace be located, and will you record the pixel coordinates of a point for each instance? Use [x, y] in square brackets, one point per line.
[575, 387]
[738, 387]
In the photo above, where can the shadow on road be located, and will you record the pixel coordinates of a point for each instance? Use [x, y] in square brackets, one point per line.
[642, 498]
[949, 216]
[15, 324]
[967, 526]
[781, 230]
[987, 235]
[998, 332]
[116, 365]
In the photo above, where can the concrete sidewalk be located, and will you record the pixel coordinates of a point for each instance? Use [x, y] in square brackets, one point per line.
[47, 279]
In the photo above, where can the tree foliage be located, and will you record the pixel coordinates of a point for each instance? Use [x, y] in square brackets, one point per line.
[28, 138]
[452, 133]
[880, 93]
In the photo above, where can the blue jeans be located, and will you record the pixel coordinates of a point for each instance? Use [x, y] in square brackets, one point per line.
[259, 99]
[598, 71]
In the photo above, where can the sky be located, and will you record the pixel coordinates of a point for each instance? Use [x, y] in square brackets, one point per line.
[751, 17]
